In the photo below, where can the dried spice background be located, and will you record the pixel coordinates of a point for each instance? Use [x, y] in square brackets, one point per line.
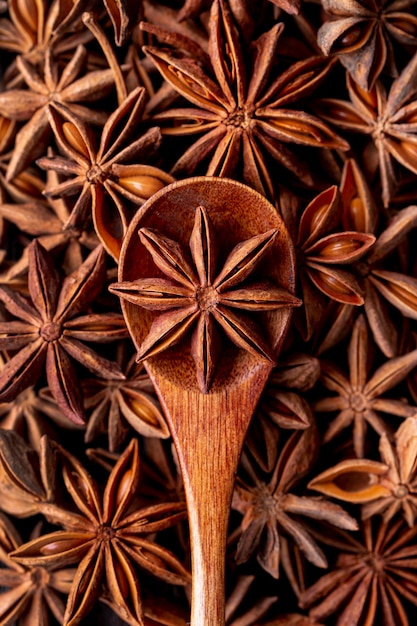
[312, 104]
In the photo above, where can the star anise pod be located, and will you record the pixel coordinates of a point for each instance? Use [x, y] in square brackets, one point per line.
[29, 594]
[291, 619]
[29, 33]
[48, 330]
[379, 285]
[108, 179]
[388, 120]
[26, 482]
[384, 287]
[123, 14]
[196, 294]
[360, 400]
[241, 613]
[373, 581]
[45, 88]
[362, 33]
[32, 414]
[114, 405]
[244, 115]
[270, 507]
[106, 539]
[46, 220]
[193, 8]
[322, 246]
[383, 488]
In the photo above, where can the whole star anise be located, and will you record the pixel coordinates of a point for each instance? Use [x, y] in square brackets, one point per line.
[270, 508]
[359, 398]
[48, 330]
[242, 112]
[44, 89]
[106, 539]
[107, 180]
[325, 253]
[31, 594]
[362, 34]
[388, 120]
[379, 284]
[196, 294]
[383, 488]
[373, 579]
[114, 404]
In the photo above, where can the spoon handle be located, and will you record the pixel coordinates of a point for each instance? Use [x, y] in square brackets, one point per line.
[208, 431]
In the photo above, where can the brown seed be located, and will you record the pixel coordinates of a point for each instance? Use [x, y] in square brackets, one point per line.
[123, 486]
[338, 248]
[142, 186]
[74, 138]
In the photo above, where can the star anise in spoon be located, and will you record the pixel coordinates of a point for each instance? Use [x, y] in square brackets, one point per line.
[195, 294]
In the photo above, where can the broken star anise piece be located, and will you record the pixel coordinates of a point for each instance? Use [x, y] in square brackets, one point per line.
[195, 295]
[48, 330]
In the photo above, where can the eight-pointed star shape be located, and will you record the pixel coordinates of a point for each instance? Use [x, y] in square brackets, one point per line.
[194, 296]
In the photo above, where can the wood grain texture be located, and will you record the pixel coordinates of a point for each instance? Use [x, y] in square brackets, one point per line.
[209, 428]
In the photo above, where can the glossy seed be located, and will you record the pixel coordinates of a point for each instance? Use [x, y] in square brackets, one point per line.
[57, 547]
[334, 284]
[124, 486]
[406, 297]
[143, 411]
[357, 214]
[340, 248]
[74, 138]
[351, 37]
[141, 186]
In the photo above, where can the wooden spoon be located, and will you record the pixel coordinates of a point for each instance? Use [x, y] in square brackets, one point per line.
[208, 428]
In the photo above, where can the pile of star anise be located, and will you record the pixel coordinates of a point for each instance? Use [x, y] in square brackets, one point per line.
[311, 103]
